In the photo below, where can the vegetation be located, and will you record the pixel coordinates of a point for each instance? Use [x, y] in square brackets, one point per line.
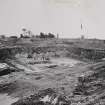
[49, 35]
[28, 34]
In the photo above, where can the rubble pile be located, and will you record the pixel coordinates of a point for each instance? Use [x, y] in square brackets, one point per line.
[44, 97]
[6, 69]
[91, 88]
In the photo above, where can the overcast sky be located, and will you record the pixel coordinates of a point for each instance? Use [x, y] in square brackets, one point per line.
[58, 16]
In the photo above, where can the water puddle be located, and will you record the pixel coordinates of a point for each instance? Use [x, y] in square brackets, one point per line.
[7, 100]
[66, 62]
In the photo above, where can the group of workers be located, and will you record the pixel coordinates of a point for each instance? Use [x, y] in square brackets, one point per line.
[41, 57]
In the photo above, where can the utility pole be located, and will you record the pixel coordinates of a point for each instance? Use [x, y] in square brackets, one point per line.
[82, 30]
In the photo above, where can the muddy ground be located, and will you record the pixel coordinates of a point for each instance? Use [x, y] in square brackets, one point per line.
[60, 75]
[62, 81]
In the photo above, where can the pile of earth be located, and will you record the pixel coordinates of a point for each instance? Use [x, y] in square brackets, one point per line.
[90, 89]
[6, 69]
[44, 97]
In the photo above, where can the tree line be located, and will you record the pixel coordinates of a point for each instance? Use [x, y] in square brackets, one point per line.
[27, 34]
